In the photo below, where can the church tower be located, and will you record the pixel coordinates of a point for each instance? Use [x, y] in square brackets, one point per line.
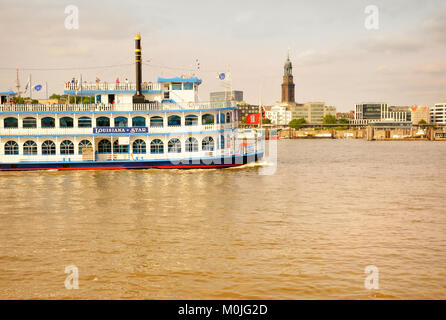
[288, 85]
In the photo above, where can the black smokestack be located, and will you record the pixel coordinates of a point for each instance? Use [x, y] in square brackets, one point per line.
[138, 97]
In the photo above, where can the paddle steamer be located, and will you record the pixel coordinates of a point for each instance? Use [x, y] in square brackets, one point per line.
[130, 126]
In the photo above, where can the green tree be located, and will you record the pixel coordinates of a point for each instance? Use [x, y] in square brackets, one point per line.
[266, 121]
[18, 100]
[55, 96]
[297, 123]
[344, 121]
[329, 119]
[422, 122]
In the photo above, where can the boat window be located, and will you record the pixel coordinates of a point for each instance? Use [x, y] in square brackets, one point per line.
[104, 146]
[228, 117]
[48, 122]
[120, 148]
[121, 122]
[84, 122]
[156, 146]
[29, 148]
[84, 144]
[66, 147]
[48, 147]
[188, 86]
[174, 121]
[207, 119]
[66, 122]
[222, 142]
[156, 121]
[139, 122]
[11, 148]
[29, 122]
[176, 86]
[191, 145]
[174, 146]
[139, 146]
[191, 120]
[207, 144]
[11, 122]
[102, 122]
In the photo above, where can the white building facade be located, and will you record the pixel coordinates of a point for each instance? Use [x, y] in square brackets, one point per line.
[438, 113]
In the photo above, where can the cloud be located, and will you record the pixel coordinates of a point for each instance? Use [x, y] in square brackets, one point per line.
[396, 43]
[431, 68]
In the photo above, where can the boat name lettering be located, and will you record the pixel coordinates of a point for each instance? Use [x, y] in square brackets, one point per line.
[107, 130]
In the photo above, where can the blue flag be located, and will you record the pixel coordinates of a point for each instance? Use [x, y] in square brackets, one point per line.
[38, 87]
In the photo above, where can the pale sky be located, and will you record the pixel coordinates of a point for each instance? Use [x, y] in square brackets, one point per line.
[335, 58]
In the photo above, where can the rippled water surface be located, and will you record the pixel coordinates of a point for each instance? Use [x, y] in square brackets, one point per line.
[332, 208]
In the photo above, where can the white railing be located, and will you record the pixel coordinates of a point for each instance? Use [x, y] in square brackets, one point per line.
[151, 106]
[44, 131]
[69, 86]
[89, 131]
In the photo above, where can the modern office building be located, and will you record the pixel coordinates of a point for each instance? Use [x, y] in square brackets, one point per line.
[312, 112]
[438, 113]
[400, 113]
[226, 96]
[420, 113]
[373, 112]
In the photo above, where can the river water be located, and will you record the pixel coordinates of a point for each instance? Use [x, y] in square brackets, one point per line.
[332, 208]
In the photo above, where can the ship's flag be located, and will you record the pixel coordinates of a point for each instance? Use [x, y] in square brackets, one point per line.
[38, 87]
[253, 118]
[27, 85]
[222, 76]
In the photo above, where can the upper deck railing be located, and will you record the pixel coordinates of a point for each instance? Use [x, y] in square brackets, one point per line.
[104, 86]
[151, 106]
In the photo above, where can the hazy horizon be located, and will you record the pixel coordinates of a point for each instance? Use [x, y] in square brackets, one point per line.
[335, 58]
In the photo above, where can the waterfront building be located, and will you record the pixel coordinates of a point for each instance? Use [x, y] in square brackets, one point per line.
[419, 113]
[317, 111]
[300, 111]
[346, 115]
[6, 96]
[279, 115]
[243, 109]
[234, 95]
[438, 113]
[312, 112]
[400, 113]
[373, 112]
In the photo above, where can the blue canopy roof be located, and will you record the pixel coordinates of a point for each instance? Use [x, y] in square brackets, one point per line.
[11, 93]
[178, 79]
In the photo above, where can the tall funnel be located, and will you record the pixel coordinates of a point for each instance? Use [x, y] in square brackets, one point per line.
[138, 97]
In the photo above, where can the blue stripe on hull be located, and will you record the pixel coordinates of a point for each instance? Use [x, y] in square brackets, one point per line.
[220, 162]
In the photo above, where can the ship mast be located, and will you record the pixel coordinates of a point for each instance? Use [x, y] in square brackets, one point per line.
[17, 82]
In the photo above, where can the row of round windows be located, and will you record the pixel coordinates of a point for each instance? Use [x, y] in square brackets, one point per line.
[86, 122]
[139, 146]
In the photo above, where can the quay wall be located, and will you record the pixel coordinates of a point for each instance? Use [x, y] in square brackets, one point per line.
[367, 133]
